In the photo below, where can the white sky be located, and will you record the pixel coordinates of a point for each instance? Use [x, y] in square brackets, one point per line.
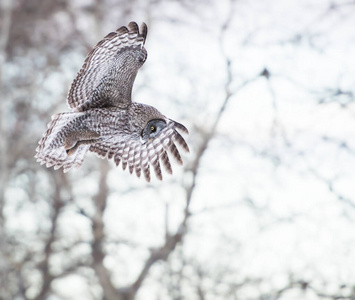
[262, 207]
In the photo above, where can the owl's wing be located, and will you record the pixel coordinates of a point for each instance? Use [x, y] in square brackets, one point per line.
[109, 70]
[50, 150]
[130, 151]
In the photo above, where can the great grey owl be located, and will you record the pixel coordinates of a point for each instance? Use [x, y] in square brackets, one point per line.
[104, 119]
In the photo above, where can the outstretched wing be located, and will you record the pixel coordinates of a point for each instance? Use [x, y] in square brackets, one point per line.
[130, 151]
[51, 151]
[109, 70]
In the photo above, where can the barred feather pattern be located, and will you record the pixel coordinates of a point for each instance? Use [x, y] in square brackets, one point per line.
[109, 70]
[140, 156]
[51, 151]
[119, 138]
[105, 121]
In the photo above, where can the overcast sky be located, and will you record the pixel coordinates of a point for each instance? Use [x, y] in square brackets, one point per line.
[275, 194]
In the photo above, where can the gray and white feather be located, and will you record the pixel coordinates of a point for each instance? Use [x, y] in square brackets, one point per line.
[104, 120]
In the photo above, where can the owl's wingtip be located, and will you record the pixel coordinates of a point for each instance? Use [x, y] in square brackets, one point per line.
[181, 127]
[144, 30]
[133, 27]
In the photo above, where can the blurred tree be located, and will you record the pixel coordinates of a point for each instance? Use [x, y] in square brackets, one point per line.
[263, 208]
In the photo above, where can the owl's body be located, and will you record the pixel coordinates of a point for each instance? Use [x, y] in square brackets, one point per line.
[104, 120]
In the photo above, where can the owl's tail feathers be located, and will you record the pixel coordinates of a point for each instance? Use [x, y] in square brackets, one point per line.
[51, 150]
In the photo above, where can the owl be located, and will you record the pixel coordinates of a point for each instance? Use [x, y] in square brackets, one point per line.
[103, 118]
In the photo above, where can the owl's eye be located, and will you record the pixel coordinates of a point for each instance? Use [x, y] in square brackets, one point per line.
[152, 129]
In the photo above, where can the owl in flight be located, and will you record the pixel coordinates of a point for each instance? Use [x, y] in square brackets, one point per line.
[104, 119]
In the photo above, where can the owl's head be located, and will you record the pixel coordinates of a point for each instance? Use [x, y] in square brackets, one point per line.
[157, 133]
[147, 121]
[152, 129]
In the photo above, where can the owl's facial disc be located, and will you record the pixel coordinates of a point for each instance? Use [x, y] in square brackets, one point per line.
[152, 129]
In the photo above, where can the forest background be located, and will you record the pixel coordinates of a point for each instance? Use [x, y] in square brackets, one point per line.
[264, 207]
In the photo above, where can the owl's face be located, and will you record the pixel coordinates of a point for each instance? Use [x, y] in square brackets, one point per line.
[147, 121]
[152, 129]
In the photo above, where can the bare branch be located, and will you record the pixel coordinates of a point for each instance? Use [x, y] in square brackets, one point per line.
[6, 17]
[58, 203]
[98, 254]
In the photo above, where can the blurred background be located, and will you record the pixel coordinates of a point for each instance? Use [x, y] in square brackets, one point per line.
[264, 207]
